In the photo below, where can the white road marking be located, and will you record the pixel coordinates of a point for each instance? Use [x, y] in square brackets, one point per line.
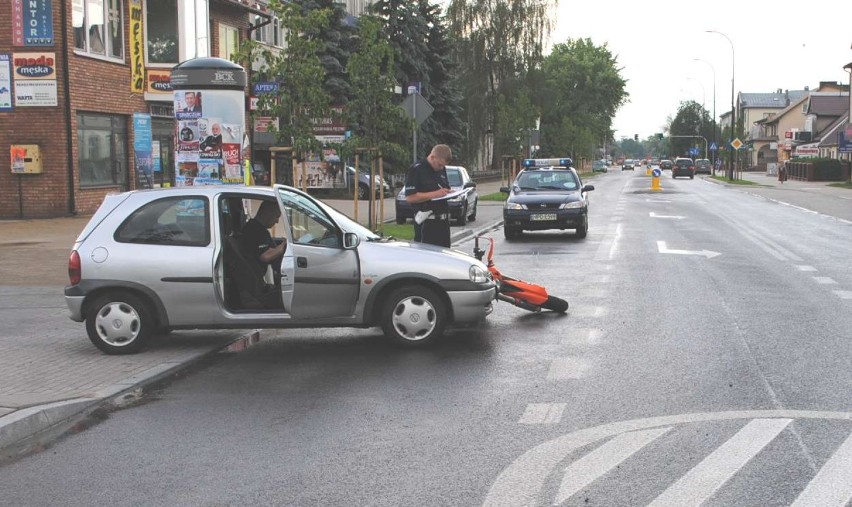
[701, 482]
[833, 483]
[806, 268]
[590, 467]
[543, 413]
[824, 280]
[614, 248]
[676, 217]
[709, 254]
[522, 481]
[567, 368]
[581, 337]
[843, 294]
[658, 200]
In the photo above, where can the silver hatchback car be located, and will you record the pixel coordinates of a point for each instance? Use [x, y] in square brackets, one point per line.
[154, 260]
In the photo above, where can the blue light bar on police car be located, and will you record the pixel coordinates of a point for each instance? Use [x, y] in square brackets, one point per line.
[546, 162]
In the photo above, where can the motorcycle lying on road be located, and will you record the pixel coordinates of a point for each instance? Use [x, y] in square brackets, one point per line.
[526, 295]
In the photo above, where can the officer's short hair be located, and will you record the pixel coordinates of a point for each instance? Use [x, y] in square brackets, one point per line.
[442, 151]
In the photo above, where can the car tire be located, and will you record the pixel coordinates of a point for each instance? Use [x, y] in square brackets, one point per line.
[462, 220]
[692, 177]
[414, 316]
[400, 220]
[472, 217]
[119, 323]
[583, 231]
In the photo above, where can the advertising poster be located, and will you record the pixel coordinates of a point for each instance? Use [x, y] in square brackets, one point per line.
[159, 82]
[32, 23]
[35, 79]
[208, 138]
[317, 173]
[156, 162]
[188, 105]
[142, 147]
[5, 83]
[136, 48]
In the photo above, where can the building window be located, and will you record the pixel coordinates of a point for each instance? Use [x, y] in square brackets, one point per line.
[271, 34]
[101, 150]
[98, 27]
[162, 31]
[229, 41]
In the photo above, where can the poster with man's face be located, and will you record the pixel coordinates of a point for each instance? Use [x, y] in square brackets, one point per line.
[187, 105]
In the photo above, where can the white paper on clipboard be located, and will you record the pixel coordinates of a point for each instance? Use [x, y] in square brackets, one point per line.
[451, 195]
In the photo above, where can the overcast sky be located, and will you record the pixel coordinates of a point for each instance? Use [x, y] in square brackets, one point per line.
[777, 44]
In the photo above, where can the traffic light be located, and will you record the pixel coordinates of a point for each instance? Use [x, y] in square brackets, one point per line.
[635, 137]
[660, 136]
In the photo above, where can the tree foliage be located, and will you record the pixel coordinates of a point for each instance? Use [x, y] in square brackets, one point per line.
[582, 91]
[498, 43]
[691, 119]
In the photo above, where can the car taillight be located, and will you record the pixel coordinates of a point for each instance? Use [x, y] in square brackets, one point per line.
[692, 168]
[75, 273]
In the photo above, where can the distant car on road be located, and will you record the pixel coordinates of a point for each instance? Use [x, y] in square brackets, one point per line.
[462, 208]
[665, 165]
[683, 167]
[703, 166]
[599, 166]
[629, 163]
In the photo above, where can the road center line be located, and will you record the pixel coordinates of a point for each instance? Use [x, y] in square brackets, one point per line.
[805, 268]
[824, 280]
[701, 482]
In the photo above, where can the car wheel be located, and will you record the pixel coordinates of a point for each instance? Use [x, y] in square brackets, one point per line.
[363, 192]
[472, 216]
[692, 177]
[463, 216]
[119, 323]
[400, 220]
[583, 231]
[414, 316]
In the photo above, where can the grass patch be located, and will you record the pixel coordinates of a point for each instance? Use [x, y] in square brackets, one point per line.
[404, 231]
[845, 184]
[496, 196]
[724, 179]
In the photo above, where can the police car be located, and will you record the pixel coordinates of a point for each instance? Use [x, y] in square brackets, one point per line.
[546, 194]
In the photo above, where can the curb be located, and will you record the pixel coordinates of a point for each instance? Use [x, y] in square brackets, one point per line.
[33, 428]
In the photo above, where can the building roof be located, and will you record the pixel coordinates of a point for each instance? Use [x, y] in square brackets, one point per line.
[828, 136]
[778, 99]
[780, 114]
[832, 104]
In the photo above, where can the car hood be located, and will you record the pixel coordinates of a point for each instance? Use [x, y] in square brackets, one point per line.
[396, 256]
[538, 197]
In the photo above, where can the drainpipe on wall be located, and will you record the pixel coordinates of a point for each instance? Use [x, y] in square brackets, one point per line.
[72, 205]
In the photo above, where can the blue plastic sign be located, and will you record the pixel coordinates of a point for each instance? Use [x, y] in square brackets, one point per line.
[713, 147]
[265, 87]
[656, 172]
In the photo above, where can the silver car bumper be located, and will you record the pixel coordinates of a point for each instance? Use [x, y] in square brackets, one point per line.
[472, 306]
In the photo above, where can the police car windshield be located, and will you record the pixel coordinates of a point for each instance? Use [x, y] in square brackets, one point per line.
[548, 180]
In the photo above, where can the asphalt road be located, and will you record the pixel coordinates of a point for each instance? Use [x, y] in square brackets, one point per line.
[705, 359]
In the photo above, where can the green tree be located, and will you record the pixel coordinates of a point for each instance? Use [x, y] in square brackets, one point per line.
[582, 91]
[335, 41]
[691, 119]
[498, 42]
[372, 111]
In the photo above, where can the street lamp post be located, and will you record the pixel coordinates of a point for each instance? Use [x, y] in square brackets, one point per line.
[731, 164]
[714, 109]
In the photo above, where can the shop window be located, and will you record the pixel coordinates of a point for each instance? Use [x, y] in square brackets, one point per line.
[229, 41]
[162, 31]
[101, 150]
[98, 27]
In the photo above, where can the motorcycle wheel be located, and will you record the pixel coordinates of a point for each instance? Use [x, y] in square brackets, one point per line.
[555, 304]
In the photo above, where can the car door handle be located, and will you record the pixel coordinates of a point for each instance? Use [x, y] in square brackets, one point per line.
[301, 262]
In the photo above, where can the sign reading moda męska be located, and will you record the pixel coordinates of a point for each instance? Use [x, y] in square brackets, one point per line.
[35, 79]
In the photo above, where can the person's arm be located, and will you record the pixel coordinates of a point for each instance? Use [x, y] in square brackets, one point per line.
[272, 253]
[412, 182]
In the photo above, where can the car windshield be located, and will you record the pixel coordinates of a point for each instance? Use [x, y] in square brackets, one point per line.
[547, 180]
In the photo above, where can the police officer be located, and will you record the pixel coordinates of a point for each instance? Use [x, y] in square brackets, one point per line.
[426, 181]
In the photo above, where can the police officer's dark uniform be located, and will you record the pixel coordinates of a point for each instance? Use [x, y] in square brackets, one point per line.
[422, 178]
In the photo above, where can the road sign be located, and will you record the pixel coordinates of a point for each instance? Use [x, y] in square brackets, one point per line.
[693, 151]
[736, 144]
[416, 103]
[656, 172]
[713, 147]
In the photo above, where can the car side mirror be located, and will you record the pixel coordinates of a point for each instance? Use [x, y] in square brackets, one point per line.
[470, 184]
[350, 241]
[505, 190]
[587, 188]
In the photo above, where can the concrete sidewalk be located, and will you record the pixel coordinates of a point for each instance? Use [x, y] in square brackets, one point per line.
[51, 376]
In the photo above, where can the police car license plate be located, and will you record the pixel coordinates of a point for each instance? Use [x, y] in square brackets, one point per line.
[543, 217]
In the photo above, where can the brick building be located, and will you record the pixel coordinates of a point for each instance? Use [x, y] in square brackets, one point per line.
[72, 75]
